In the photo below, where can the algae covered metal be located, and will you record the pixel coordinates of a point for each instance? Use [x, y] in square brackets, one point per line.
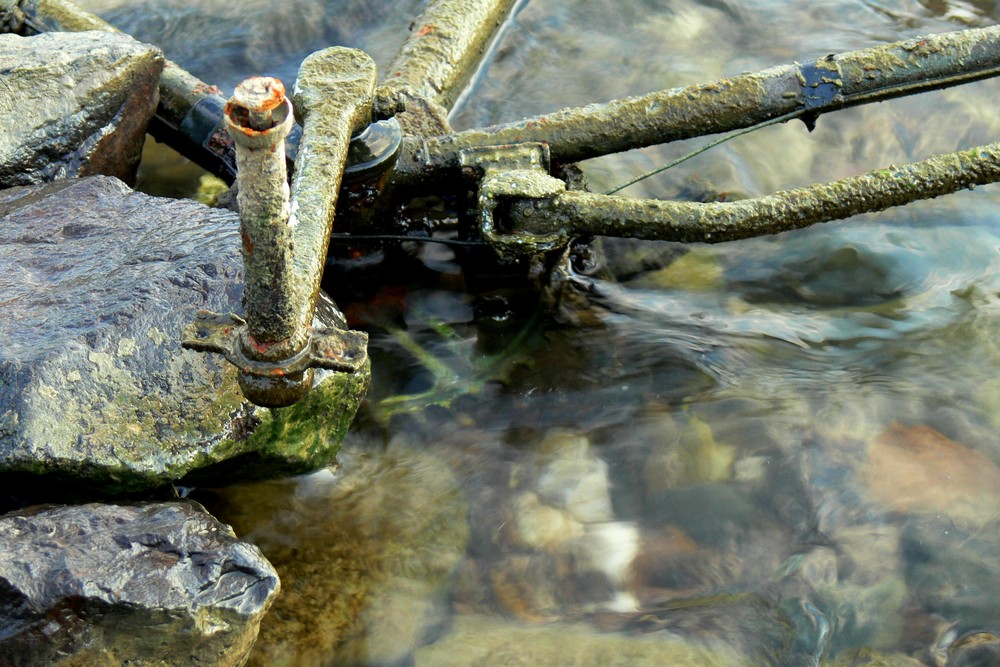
[807, 89]
[585, 213]
[510, 179]
[284, 241]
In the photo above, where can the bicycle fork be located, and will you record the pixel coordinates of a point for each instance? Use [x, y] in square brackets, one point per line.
[285, 234]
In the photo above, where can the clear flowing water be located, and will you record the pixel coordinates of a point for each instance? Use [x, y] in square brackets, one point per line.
[776, 451]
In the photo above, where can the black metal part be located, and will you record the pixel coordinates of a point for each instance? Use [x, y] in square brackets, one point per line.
[201, 138]
[373, 151]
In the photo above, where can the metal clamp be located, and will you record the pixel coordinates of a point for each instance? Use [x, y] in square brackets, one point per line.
[513, 171]
[330, 348]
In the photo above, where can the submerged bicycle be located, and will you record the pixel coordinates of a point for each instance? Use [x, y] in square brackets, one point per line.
[367, 144]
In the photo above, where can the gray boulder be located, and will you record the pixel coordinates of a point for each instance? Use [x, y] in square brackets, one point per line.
[74, 104]
[97, 283]
[148, 584]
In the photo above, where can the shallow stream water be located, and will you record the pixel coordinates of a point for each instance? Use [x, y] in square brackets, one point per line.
[775, 451]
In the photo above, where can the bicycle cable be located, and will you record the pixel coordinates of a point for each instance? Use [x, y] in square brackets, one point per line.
[712, 144]
[403, 237]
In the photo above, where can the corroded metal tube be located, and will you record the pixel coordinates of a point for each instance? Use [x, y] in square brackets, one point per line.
[333, 97]
[830, 83]
[586, 214]
[258, 117]
[444, 48]
[276, 347]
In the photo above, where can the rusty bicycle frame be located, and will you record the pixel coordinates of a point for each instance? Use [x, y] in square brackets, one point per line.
[516, 178]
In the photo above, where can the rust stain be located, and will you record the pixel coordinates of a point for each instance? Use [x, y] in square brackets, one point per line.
[331, 353]
[255, 96]
[207, 89]
[262, 347]
[274, 94]
[258, 347]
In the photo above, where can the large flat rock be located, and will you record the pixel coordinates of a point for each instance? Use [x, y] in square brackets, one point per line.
[97, 282]
[74, 104]
[108, 585]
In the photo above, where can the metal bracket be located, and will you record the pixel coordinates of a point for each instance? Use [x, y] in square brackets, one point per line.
[330, 348]
[285, 240]
[513, 171]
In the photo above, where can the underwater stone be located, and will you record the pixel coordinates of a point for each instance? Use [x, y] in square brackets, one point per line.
[97, 282]
[144, 584]
[917, 470]
[487, 641]
[74, 104]
[538, 526]
[364, 553]
[952, 572]
[572, 477]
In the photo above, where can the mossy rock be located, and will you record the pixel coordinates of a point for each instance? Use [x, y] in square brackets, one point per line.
[96, 395]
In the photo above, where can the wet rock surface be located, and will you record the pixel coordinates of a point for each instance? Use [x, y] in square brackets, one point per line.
[74, 104]
[97, 283]
[138, 584]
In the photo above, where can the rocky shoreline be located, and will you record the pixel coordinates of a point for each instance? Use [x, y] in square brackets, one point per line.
[98, 401]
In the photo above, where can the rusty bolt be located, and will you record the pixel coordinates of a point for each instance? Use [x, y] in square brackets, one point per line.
[258, 104]
[387, 103]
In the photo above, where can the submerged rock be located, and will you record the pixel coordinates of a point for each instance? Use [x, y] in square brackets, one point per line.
[147, 584]
[97, 283]
[487, 641]
[365, 553]
[915, 469]
[952, 572]
[74, 104]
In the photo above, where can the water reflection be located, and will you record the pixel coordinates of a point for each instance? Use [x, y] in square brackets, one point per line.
[779, 451]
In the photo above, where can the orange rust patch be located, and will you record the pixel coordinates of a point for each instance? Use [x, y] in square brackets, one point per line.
[275, 96]
[207, 89]
[258, 347]
[426, 30]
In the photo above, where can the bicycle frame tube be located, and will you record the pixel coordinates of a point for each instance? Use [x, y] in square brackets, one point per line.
[444, 48]
[587, 214]
[830, 83]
